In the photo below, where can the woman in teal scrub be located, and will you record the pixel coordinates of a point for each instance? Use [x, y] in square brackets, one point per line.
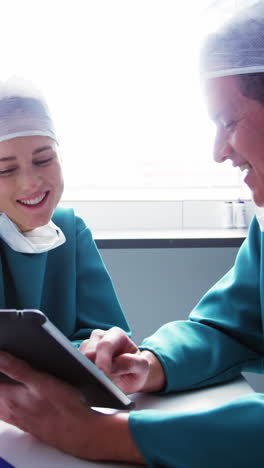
[48, 260]
[223, 336]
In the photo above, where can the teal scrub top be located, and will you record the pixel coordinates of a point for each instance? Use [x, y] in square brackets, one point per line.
[70, 283]
[222, 337]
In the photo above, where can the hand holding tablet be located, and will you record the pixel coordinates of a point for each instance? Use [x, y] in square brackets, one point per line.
[29, 335]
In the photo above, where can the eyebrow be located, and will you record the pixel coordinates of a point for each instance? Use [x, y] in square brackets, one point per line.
[43, 148]
[8, 158]
[36, 151]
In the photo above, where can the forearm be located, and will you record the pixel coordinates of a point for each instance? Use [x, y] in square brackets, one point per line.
[54, 412]
[203, 355]
[121, 446]
[105, 438]
[227, 436]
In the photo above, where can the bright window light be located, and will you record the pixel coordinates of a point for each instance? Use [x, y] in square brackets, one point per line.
[121, 80]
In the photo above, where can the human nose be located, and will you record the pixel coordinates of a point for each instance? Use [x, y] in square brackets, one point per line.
[29, 180]
[222, 149]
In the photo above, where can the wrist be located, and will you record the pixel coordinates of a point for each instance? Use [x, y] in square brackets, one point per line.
[102, 437]
[156, 380]
[125, 446]
[116, 442]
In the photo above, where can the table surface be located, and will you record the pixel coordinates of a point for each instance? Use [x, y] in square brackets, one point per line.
[24, 451]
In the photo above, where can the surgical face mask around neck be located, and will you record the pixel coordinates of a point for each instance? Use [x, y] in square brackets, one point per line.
[38, 240]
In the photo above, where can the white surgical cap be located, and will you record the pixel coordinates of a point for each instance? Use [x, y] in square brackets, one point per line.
[23, 111]
[238, 46]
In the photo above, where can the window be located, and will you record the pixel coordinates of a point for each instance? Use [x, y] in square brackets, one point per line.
[120, 77]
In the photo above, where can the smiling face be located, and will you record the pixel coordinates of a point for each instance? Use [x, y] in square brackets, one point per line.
[31, 182]
[239, 131]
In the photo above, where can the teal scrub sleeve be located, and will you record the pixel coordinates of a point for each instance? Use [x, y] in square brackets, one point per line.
[224, 334]
[96, 301]
[230, 436]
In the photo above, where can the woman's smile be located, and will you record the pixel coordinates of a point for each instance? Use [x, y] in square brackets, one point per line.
[35, 201]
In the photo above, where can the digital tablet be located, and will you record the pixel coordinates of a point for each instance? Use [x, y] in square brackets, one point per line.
[29, 335]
